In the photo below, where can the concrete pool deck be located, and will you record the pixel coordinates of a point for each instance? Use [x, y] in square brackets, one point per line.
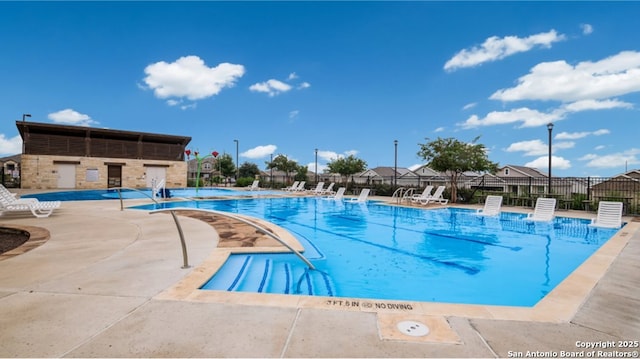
[127, 295]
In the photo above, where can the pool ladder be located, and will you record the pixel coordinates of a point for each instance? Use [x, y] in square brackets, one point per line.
[402, 194]
[228, 215]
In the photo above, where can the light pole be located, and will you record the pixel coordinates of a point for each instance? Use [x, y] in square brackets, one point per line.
[316, 165]
[237, 168]
[395, 166]
[271, 173]
[550, 128]
[25, 115]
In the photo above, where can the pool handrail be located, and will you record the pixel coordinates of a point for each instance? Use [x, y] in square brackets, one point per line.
[228, 215]
[133, 189]
[398, 194]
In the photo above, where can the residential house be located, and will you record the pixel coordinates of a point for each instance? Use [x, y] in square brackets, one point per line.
[11, 170]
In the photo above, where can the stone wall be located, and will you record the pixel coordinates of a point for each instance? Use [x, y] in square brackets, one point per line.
[41, 171]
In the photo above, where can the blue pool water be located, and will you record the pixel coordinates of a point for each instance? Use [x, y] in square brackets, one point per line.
[385, 252]
[87, 195]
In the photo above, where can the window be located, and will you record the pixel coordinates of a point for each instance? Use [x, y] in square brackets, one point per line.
[206, 166]
[506, 171]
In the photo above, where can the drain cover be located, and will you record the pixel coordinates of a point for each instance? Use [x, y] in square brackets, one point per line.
[412, 328]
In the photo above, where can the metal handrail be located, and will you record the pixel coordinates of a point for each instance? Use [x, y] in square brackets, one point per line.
[133, 189]
[229, 215]
[397, 194]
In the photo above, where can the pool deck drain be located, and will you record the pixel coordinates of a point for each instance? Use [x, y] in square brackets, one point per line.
[413, 328]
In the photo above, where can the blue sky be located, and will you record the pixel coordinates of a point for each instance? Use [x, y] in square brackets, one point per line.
[341, 77]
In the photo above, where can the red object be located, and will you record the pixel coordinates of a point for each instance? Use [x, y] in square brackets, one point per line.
[187, 152]
[215, 153]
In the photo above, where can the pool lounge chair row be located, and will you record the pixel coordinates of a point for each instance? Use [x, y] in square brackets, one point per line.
[426, 197]
[9, 203]
[609, 213]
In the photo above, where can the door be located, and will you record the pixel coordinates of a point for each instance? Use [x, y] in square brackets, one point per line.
[155, 175]
[66, 175]
[114, 176]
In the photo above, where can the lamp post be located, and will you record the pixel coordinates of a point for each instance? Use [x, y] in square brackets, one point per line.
[316, 165]
[550, 128]
[271, 173]
[237, 168]
[395, 166]
[25, 115]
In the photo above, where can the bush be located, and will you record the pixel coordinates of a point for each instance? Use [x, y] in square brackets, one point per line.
[244, 181]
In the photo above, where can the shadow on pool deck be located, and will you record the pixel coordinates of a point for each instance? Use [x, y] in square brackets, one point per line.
[97, 288]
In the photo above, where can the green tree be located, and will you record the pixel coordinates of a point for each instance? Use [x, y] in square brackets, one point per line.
[225, 165]
[282, 163]
[347, 166]
[301, 173]
[454, 157]
[248, 169]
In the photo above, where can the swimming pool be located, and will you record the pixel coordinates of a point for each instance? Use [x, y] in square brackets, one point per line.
[379, 251]
[100, 194]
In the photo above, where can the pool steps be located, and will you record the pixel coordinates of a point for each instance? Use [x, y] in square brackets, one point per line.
[259, 274]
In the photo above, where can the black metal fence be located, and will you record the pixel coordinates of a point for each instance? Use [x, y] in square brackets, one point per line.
[572, 193]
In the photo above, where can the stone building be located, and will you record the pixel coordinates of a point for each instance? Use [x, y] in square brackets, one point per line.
[61, 156]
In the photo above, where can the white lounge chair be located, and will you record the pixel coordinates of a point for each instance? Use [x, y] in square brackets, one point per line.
[492, 206]
[609, 215]
[293, 187]
[338, 196]
[436, 197]
[8, 203]
[329, 190]
[318, 189]
[255, 186]
[544, 210]
[12, 197]
[424, 195]
[364, 194]
[300, 187]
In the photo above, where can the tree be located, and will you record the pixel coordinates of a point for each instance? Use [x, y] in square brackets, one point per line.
[454, 157]
[347, 166]
[301, 173]
[225, 165]
[282, 163]
[248, 169]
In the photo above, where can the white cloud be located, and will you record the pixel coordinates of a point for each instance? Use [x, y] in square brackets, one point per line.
[10, 146]
[292, 76]
[537, 147]
[542, 163]
[528, 118]
[71, 117]
[259, 151]
[439, 129]
[311, 166]
[293, 114]
[470, 105]
[351, 152]
[620, 159]
[533, 118]
[190, 77]
[587, 105]
[496, 48]
[578, 135]
[271, 87]
[328, 155]
[586, 29]
[304, 85]
[599, 147]
[613, 76]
